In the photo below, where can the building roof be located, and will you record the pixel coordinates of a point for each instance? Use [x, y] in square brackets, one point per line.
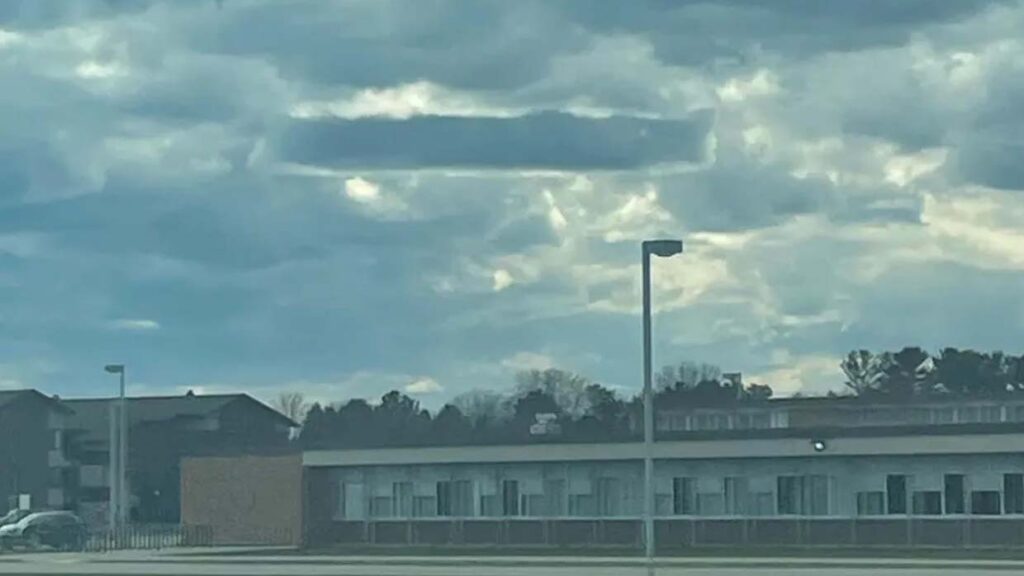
[903, 442]
[8, 397]
[91, 415]
[845, 401]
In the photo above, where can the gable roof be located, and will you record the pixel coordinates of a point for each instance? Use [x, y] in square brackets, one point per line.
[8, 397]
[91, 415]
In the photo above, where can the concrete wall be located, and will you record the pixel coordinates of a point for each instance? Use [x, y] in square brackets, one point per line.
[244, 499]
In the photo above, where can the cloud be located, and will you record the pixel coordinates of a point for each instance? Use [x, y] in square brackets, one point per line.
[461, 193]
[528, 361]
[423, 385]
[134, 325]
[502, 279]
[543, 140]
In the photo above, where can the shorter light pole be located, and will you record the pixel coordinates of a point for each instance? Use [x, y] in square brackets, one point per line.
[119, 502]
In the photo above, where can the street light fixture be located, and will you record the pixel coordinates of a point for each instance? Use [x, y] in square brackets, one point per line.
[119, 497]
[664, 249]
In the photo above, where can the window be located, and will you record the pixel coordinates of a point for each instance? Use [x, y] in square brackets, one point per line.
[608, 496]
[954, 493]
[703, 422]
[762, 504]
[985, 502]
[381, 507]
[351, 504]
[741, 421]
[927, 503]
[817, 495]
[870, 503]
[967, 414]
[990, 414]
[462, 498]
[1018, 413]
[554, 497]
[761, 420]
[896, 493]
[735, 496]
[444, 498]
[942, 416]
[683, 490]
[802, 495]
[581, 505]
[424, 506]
[489, 505]
[919, 416]
[788, 494]
[1013, 493]
[710, 504]
[401, 493]
[510, 498]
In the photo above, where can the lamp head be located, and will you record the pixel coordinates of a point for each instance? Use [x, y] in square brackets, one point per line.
[663, 248]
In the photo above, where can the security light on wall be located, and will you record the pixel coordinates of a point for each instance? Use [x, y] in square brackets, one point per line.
[819, 445]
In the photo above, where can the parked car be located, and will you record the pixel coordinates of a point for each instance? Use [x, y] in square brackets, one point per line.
[13, 516]
[60, 530]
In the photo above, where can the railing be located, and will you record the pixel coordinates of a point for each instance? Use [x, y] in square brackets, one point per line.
[148, 537]
[755, 532]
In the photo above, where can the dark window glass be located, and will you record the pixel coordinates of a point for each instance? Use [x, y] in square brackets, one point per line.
[1013, 493]
[870, 503]
[444, 498]
[954, 488]
[510, 498]
[896, 493]
[985, 502]
[683, 496]
[788, 494]
[928, 503]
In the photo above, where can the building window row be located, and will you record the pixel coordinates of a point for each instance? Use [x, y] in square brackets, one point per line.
[953, 499]
[788, 495]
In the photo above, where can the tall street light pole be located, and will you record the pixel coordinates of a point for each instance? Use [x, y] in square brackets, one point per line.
[664, 249]
[120, 502]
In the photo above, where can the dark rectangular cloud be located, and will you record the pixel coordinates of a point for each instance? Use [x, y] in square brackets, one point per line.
[546, 140]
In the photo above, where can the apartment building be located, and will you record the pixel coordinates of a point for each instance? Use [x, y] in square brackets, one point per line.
[36, 468]
[812, 468]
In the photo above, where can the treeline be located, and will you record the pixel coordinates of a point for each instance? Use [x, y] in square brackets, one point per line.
[580, 410]
[950, 373]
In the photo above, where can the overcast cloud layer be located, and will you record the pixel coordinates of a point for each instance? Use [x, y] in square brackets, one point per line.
[348, 197]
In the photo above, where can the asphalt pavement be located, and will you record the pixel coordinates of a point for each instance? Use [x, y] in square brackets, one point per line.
[176, 563]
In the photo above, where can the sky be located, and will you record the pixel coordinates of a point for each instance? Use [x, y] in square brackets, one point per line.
[345, 198]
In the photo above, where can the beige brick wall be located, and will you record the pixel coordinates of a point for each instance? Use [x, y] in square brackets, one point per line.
[244, 499]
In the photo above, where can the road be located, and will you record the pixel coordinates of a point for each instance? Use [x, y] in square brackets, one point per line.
[172, 564]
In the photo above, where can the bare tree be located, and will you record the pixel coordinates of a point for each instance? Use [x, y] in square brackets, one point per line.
[292, 405]
[567, 388]
[482, 405]
[687, 375]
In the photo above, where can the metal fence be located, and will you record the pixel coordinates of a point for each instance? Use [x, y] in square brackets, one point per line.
[148, 537]
[832, 532]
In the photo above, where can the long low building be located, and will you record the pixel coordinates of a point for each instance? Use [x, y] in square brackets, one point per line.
[947, 485]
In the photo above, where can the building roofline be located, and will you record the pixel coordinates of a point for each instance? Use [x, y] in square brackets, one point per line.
[55, 402]
[844, 401]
